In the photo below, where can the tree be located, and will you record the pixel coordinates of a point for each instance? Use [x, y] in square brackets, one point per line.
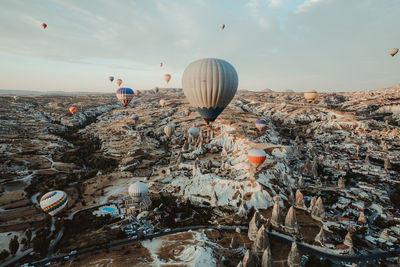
[13, 245]
[4, 254]
[41, 245]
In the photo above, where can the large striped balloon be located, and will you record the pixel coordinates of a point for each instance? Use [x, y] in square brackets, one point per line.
[257, 156]
[125, 95]
[169, 130]
[210, 84]
[310, 95]
[53, 202]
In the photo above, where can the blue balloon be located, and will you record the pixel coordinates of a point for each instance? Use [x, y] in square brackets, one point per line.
[125, 95]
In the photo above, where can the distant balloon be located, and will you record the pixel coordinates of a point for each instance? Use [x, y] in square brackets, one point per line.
[393, 51]
[310, 95]
[169, 130]
[222, 26]
[194, 132]
[44, 25]
[260, 124]
[137, 92]
[161, 64]
[163, 102]
[167, 77]
[135, 118]
[125, 95]
[210, 84]
[119, 82]
[53, 202]
[111, 78]
[257, 156]
[155, 90]
[73, 110]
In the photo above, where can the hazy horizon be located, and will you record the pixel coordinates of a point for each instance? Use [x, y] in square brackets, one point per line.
[327, 45]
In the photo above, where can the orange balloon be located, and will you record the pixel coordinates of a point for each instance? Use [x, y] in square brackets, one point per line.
[161, 64]
[256, 156]
[119, 82]
[167, 77]
[44, 25]
[73, 110]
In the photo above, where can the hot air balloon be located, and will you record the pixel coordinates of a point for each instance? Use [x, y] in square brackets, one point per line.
[169, 130]
[73, 110]
[194, 132]
[53, 202]
[209, 84]
[155, 90]
[111, 78]
[167, 77]
[137, 92]
[310, 95]
[125, 95]
[393, 51]
[163, 102]
[119, 82]
[161, 64]
[222, 26]
[257, 156]
[187, 112]
[135, 118]
[44, 25]
[260, 124]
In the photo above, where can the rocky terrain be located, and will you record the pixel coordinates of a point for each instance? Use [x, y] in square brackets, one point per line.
[330, 180]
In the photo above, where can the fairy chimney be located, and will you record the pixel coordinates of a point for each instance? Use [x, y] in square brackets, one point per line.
[348, 240]
[341, 184]
[294, 257]
[262, 241]
[267, 260]
[387, 164]
[290, 220]
[253, 228]
[312, 203]
[318, 209]
[276, 218]
[299, 199]
[362, 218]
[234, 243]
[248, 259]
[320, 237]
[385, 235]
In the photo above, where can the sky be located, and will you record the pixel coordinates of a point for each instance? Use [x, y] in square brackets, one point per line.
[326, 45]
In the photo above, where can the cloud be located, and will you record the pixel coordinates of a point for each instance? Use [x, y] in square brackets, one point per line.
[255, 9]
[306, 5]
[275, 3]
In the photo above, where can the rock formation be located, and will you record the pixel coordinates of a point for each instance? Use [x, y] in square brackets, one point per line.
[341, 184]
[387, 164]
[348, 240]
[262, 241]
[362, 218]
[385, 235]
[276, 217]
[290, 220]
[294, 257]
[318, 209]
[312, 203]
[253, 228]
[299, 199]
[234, 244]
[267, 260]
[240, 264]
[248, 259]
[320, 237]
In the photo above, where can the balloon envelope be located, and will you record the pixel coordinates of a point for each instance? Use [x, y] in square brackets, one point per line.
[393, 51]
[169, 130]
[222, 26]
[53, 202]
[163, 102]
[137, 92]
[135, 117]
[260, 124]
[155, 90]
[44, 25]
[111, 78]
[167, 77]
[73, 110]
[125, 95]
[119, 82]
[257, 156]
[310, 95]
[161, 64]
[210, 84]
